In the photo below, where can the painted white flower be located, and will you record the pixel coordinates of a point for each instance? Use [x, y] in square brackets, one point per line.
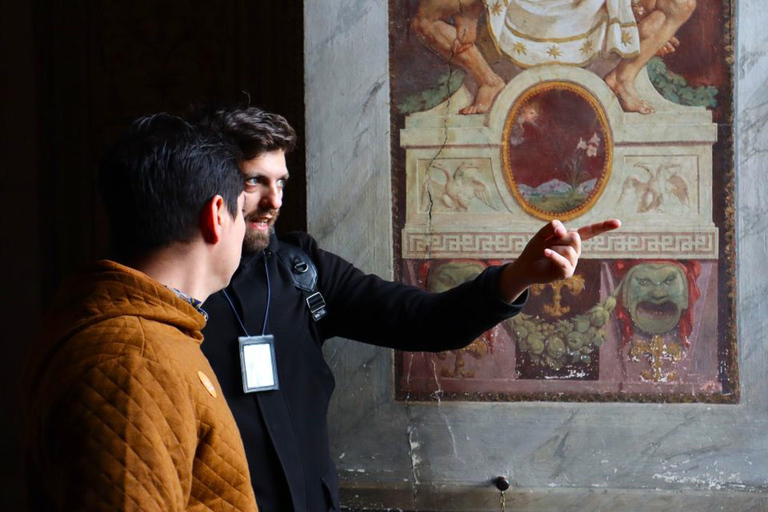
[592, 145]
[581, 144]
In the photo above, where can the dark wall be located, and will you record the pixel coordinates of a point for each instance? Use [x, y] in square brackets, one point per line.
[104, 63]
[77, 73]
[20, 274]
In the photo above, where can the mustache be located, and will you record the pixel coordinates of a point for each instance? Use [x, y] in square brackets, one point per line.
[254, 216]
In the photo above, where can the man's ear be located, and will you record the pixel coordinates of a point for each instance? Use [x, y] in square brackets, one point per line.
[212, 219]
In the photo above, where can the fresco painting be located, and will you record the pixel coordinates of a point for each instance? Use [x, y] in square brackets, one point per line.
[560, 335]
[506, 114]
[557, 150]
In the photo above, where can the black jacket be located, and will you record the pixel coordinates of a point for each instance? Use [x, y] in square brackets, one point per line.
[284, 431]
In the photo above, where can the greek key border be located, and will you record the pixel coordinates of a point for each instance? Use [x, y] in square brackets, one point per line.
[683, 245]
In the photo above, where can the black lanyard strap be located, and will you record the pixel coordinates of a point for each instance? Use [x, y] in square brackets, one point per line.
[266, 311]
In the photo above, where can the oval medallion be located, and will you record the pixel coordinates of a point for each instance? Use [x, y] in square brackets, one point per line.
[557, 150]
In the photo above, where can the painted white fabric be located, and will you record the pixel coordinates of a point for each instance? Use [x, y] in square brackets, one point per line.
[541, 32]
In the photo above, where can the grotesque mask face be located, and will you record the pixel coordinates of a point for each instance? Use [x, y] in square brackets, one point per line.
[656, 295]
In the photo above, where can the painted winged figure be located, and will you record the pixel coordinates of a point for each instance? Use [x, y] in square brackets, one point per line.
[458, 188]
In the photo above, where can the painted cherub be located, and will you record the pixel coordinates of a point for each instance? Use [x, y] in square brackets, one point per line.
[449, 27]
[456, 44]
[529, 114]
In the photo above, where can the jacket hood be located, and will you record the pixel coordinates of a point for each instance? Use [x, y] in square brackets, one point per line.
[106, 289]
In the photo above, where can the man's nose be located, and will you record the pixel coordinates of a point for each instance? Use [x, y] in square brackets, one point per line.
[272, 198]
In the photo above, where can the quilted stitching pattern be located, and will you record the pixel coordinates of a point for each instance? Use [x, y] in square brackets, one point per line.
[120, 419]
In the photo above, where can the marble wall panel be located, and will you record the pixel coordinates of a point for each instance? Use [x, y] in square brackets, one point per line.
[442, 455]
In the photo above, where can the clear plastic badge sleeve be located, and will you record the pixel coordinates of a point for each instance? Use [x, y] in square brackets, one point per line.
[258, 363]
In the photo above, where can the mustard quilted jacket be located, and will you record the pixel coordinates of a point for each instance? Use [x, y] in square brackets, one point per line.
[125, 411]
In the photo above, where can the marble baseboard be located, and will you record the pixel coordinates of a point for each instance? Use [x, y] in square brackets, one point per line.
[475, 499]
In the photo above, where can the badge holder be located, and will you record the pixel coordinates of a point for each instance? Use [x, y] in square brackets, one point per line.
[258, 364]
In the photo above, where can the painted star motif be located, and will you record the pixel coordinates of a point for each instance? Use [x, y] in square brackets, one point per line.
[519, 48]
[554, 52]
[496, 9]
[626, 37]
[587, 47]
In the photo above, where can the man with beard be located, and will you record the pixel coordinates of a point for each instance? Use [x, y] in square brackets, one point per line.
[266, 330]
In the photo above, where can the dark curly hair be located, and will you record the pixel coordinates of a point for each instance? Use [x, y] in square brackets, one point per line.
[253, 130]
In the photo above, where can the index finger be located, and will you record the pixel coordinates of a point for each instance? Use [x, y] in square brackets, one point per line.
[587, 232]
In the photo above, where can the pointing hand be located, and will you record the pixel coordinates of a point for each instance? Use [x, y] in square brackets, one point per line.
[551, 254]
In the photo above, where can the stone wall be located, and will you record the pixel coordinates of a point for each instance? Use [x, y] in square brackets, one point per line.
[584, 456]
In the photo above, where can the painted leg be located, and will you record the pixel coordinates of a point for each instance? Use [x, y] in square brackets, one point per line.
[651, 24]
[443, 38]
[668, 16]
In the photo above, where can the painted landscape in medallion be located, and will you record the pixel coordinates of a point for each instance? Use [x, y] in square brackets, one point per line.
[506, 115]
[557, 151]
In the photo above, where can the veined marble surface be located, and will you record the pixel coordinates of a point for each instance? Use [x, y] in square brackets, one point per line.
[418, 456]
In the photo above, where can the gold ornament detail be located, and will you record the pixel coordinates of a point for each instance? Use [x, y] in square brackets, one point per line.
[657, 351]
[554, 52]
[587, 47]
[626, 37]
[519, 48]
[478, 349]
[574, 284]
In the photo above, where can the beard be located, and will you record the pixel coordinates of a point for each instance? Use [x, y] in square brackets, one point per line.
[257, 241]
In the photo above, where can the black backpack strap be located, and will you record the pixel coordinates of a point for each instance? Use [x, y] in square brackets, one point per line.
[304, 273]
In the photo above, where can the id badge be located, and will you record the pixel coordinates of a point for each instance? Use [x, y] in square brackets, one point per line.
[258, 364]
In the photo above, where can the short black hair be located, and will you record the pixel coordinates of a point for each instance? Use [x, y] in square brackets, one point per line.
[157, 178]
[252, 129]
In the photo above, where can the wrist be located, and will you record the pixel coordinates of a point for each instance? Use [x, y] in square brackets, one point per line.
[512, 282]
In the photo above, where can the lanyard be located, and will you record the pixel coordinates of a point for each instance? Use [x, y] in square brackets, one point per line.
[266, 311]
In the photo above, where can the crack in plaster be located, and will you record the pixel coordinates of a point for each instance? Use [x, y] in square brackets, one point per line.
[411, 429]
[438, 396]
[410, 432]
